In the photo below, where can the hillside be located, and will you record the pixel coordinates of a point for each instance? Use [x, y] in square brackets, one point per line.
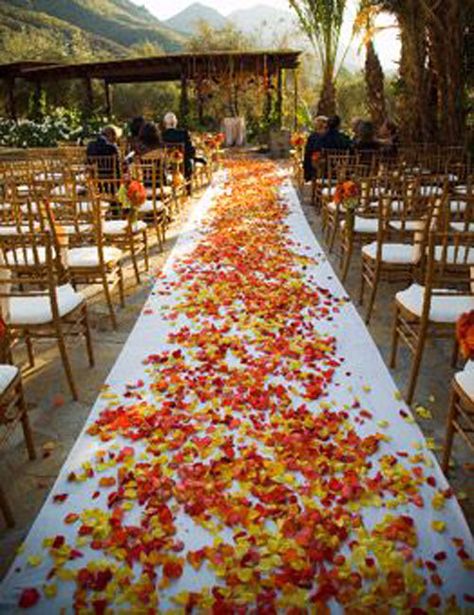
[106, 28]
[188, 20]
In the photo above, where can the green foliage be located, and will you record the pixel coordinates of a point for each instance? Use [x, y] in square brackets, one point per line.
[227, 38]
[118, 21]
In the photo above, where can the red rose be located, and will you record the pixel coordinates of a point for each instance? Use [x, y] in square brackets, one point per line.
[29, 597]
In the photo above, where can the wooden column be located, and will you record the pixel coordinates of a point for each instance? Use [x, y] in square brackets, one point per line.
[89, 102]
[11, 102]
[37, 110]
[184, 103]
[295, 101]
[267, 109]
[279, 107]
[108, 99]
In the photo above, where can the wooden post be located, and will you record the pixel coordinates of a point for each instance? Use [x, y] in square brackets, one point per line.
[108, 99]
[279, 107]
[89, 103]
[184, 103]
[37, 111]
[267, 111]
[11, 102]
[295, 102]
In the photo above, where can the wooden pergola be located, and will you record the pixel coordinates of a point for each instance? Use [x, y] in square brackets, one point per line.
[266, 67]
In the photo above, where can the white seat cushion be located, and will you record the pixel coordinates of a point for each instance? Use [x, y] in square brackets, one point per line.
[37, 310]
[7, 374]
[465, 381]
[147, 207]
[443, 309]
[20, 257]
[70, 229]
[54, 176]
[332, 206]
[412, 226]
[62, 190]
[364, 225]
[460, 256]
[460, 227]
[167, 191]
[13, 230]
[461, 189]
[456, 206]
[395, 253]
[119, 227]
[328, 191]
[430, 190]
[89, 256]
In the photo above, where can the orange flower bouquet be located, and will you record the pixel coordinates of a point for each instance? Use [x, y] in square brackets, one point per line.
[176, 156]
[465, 334]
[347, 194]
[131, 195]
[315, 159]
[298, 140]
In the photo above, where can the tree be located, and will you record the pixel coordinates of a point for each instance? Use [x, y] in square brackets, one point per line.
[432, 75]
[374, 76]
[322, 20]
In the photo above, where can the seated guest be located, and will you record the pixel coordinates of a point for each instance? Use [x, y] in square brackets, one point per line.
[365, 142]
[334, 138]
[134, 128]
[105, 154]
[176, 136]
[149, 139]
[388, 137]
[313, 144]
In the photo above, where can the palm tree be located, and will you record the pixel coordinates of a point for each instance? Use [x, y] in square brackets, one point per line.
[322, 20]
[374, 76]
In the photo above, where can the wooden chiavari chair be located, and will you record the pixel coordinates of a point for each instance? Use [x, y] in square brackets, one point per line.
[13, 409]
[92, 262]
[460, 417]
[359, 225]
[400, 244]
[156, 210]
[433, 308]
[42, 302]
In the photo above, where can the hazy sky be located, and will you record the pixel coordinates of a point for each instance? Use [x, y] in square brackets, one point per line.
[386, 42]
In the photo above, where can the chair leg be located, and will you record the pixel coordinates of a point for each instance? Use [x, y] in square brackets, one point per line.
[25, 423]
[362, 283]
[108, 298]
[415, 369]
[448, 443]
[6, 510]
[372, 296]
[66, 363]
[29, 349]
[121, 286]
[145, 249]
[332, 233]
[87, 336]
[346, 261]
[395, 340]
[134, 261]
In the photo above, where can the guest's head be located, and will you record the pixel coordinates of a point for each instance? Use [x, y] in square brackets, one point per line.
[388, 129]
[149, 136]
[170, 121]
[365, 132]
[334, 122]
[320, 124]
[136, 125]
[111, 133]
[355, 123]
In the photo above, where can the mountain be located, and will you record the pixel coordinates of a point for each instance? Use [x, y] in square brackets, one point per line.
[187, 20]
[106, 27]
[268, 23]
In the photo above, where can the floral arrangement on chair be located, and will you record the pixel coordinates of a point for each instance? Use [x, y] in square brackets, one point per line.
[465, 334]
[347, 194]
[131, 195]
[176, 156]
[315, 159]
[298, 140]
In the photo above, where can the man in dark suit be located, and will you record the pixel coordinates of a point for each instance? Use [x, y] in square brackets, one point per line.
[177, 136]
[105, 152]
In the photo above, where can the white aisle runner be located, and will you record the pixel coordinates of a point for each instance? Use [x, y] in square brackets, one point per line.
[363, 377]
